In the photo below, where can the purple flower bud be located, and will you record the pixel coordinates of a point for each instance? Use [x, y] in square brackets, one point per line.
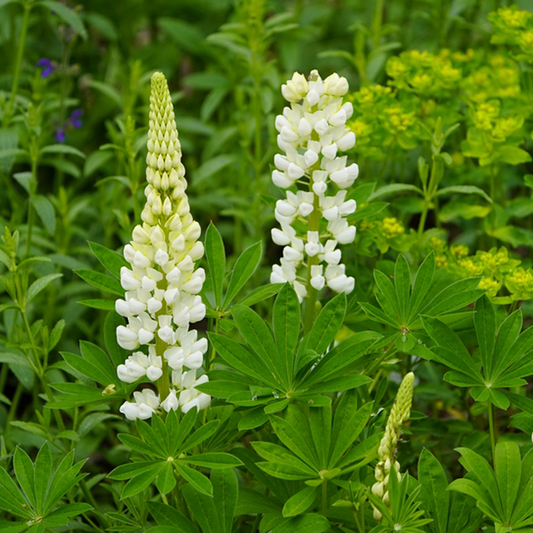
[60, 135]
[48, 67]
[75, 119]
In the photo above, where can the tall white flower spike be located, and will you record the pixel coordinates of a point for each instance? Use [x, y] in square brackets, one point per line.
[312, 132]
[162, 284]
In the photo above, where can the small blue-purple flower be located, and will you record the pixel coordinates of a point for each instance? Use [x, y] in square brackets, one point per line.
[75, 118]
[61, 136]
[48, 67]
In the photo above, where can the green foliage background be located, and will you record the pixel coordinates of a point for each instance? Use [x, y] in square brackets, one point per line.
[443, 104]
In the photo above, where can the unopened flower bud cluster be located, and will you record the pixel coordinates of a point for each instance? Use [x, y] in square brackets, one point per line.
[162, 286]
[400, 412]
[312, 133]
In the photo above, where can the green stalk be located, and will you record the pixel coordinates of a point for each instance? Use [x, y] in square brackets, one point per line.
[324, 497]
[310, 305]
[18, 65]
[30, 206]
[492, 429]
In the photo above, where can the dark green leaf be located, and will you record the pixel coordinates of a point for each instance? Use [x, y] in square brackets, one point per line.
[216, 259]
[245, 266]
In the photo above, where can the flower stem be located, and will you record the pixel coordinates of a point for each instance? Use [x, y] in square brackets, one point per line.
[18, 64]
[324, 497]
[310, 305]
[492, 429]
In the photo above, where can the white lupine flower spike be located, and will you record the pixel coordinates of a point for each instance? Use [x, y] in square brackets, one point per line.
[312, 133]
[162, 284]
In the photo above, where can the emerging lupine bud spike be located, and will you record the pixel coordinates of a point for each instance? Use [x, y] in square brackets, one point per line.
[312, 131]
[399, 413]
[162, 284]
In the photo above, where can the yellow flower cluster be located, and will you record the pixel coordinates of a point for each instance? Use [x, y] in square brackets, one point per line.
[497, 269]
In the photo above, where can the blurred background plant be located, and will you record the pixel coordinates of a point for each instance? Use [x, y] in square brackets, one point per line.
[443, 104]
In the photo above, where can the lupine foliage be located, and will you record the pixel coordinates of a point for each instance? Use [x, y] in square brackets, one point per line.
[266, 266]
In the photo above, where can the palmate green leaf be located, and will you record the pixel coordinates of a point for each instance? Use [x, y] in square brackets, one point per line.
[308, 523]
[261, 293]
[485, 325]
[216, 259]
[519, 348]
[402, 285]
[65, 477]
[287, 472]
[222, 389]
[361, 454]
[243, 270]
[142, 481]
[166, 480]
[258, 336]
[342, 356]
[239, 358]
[212, 460]
[250, 460]
[101, 281]
[225, 494]
[11, 499]
[435, 497]
[507, 465]
[200, 435]
[43, 471]
[455, 353]
[479, 466]
[320, 424]
[348, 425]
[455, 296]
[23, 468]
[300, 502]
[203, 508]
[390, 298]
[377, 315]
[166, 515]
[342, 383]
[464, 517]
[294, 431]
[422, 285]
[100, 360]
[253, 502]
[140, 446]
[281, 456]
[507, 335]
[286, 325]
[112, 261]
[327, 324]
[195, 478]
[130, 470]
[253, 418]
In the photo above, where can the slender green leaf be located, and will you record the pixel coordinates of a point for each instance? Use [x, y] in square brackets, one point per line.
[111, 260]
[39, 284]
[485, 324]
[286, 322]
[435, 497]
[101, 281]
[327, 324]
[68, 15]
[45, 209]
[245, 266]
[216, 259]
[300, 502]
